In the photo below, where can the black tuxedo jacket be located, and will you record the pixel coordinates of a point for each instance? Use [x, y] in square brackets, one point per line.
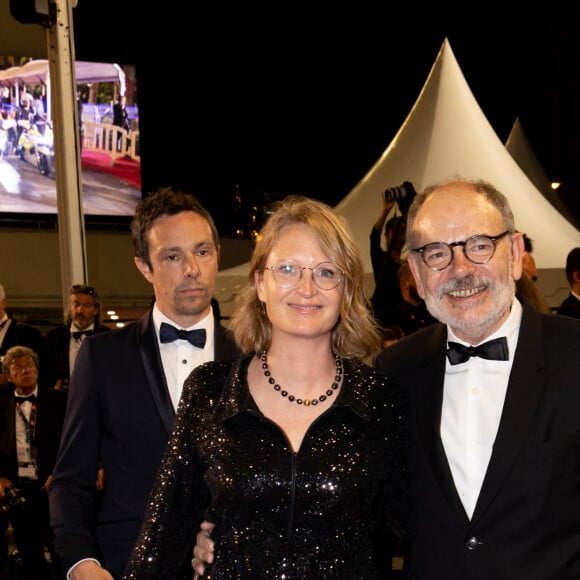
[119, 415]
[51, 407]
[19, 334]
[570, 306]
[56, 349]
[526, 522]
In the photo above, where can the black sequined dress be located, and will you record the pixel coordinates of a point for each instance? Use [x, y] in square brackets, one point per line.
[279, 514]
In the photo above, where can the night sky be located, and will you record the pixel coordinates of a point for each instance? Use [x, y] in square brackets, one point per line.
[290, 100]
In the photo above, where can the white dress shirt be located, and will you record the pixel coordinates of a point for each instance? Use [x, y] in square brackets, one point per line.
[24, 451]
[75, 344]
[473, 398]
[180, 357]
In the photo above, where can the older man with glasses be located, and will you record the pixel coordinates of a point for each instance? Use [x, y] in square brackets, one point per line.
[31, 420]
[495, 403]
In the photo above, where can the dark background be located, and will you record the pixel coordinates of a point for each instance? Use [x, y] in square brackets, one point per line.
[285, 99]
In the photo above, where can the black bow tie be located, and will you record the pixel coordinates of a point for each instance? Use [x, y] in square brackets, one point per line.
[31, 398]
[496, 349]
[168, 333]
[77, 335]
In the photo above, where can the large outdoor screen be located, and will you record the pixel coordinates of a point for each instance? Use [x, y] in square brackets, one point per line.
[108, 138]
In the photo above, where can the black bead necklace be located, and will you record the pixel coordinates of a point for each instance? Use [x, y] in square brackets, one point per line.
[292, 398]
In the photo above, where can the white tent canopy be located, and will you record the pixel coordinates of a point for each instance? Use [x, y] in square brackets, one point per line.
[521, 150]
[446, 134]
[35, 72]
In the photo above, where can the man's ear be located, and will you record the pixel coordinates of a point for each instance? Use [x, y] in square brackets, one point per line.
[518, 249]
[144, 268]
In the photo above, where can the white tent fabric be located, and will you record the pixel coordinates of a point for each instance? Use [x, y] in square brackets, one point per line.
[36, 72]
[521, 150]
[446, 134]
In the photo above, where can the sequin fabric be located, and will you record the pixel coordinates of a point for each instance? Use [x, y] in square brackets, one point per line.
[313, 514]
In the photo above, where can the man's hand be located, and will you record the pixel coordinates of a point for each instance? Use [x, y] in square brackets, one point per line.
[203, 549]
[100, 479]
[89, 570]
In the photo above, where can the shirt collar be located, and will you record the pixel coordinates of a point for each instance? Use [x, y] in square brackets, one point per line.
[35, 393]
[207, 322]
[75, 328]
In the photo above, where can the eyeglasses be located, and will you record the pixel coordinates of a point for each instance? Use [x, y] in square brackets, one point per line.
[288, 274]
[477, 249]
[21, 369]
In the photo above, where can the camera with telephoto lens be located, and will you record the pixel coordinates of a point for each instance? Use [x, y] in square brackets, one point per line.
[12, 500]
[402, 194]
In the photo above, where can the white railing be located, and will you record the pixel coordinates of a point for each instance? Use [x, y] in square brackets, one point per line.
[111, 139]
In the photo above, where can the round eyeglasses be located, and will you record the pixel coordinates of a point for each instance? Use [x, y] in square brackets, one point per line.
[477, 249]
[25, 367]
[288, 273]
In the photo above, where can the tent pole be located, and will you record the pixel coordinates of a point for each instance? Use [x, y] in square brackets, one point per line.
[71, 232]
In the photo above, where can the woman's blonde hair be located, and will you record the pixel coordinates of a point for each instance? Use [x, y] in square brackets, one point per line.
[355, 334]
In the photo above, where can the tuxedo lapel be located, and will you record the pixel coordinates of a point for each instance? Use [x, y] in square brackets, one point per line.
[525, 387]
[428, 400]
[153, 366]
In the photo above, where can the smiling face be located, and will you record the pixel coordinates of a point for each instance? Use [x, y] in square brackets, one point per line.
[474, 299]
[303, 310]
[184, 265]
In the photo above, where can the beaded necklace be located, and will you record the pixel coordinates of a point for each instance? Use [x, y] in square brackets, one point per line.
[292, 398]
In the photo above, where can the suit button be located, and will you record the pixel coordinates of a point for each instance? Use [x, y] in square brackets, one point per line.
[473, 543]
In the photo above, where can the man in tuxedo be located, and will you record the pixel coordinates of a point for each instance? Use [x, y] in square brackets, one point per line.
[495, 444]
[571, 304]
[31, 420]
[14, 333]
[126, 386]
[62, 344]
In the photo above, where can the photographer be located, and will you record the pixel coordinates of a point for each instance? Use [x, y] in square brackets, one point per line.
[386, 263]
[29, 439]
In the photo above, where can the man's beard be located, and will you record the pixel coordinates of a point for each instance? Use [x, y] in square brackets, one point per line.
[462, 320]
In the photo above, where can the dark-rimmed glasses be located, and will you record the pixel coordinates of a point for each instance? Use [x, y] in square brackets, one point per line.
[477, 249]
[288, 273]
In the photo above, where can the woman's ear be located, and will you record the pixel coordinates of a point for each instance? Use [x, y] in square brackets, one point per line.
[259, 282]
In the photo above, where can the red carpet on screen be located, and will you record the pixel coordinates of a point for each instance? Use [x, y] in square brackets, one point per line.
[126, 169]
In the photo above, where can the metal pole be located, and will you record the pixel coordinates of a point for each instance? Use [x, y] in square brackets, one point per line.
[71, 232]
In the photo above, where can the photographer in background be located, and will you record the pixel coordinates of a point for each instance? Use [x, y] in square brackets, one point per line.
[528, 262]
[571, 304]
[31, 420]
[410, 313]
[386, 262]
